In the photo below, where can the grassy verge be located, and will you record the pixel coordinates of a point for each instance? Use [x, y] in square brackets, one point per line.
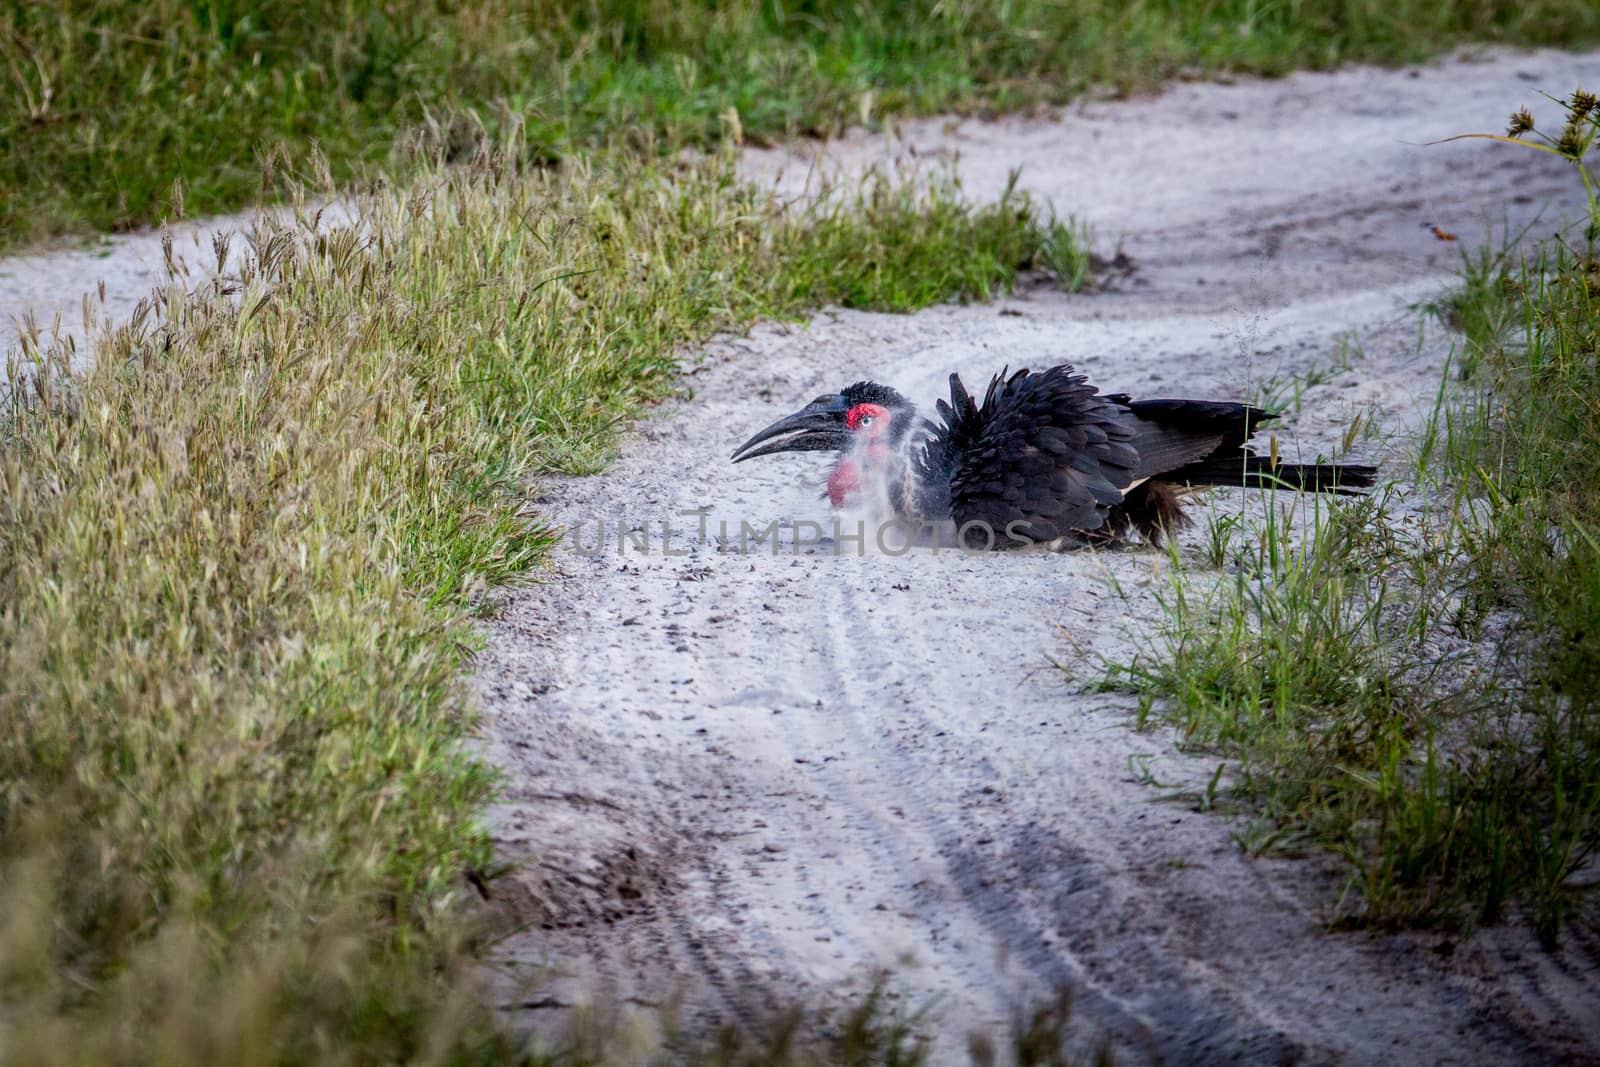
[238, 564]
[104, 105]
[1421, 692]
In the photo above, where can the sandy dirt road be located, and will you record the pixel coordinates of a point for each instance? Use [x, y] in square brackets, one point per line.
[739, 775]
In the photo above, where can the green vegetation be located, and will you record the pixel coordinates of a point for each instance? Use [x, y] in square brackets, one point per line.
[1286, 393]
[105, 104]
[238, 562]
[1067, 252]
[1422, 693]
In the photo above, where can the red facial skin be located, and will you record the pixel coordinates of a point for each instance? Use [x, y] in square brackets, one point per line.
[870, 425]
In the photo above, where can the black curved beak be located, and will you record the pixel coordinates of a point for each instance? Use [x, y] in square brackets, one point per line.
[817, 427]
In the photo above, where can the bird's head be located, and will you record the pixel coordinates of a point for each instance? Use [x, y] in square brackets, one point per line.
[865, 423]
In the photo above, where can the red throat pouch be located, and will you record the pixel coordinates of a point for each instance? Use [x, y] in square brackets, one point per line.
[844, 482]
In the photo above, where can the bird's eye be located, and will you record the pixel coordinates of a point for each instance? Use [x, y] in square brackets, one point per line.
[865, 420]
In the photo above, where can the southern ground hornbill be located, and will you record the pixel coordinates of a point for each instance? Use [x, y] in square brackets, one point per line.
[1044, 457]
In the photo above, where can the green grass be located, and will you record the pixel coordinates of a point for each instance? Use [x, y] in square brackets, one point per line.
[105, 105]
[1421, 694]
[1067, 252]
[1286, 393]
[240, 558]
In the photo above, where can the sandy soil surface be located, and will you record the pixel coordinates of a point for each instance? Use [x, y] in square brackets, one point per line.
[740, 776]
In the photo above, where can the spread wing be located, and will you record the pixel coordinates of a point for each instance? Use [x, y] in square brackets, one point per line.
[1043, 455]
[1170, 435]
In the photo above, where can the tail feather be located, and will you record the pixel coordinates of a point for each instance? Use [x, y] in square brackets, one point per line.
[1345, 479]
[1154, 509]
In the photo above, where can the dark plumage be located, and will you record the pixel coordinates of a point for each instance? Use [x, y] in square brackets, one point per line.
[1042, 456]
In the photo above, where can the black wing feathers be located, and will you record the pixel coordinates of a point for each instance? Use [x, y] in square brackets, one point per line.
[1174, 433]
[1042, 456]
